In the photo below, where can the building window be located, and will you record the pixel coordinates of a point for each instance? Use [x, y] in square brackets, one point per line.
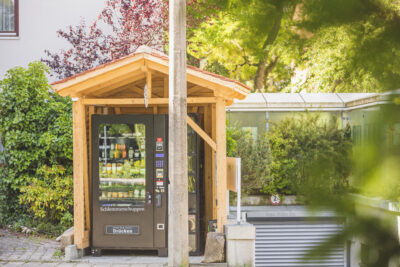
[8, 18]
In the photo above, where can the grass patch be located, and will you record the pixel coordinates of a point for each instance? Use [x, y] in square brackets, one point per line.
[57, 254]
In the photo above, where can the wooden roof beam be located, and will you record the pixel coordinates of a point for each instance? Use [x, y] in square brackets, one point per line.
[190, 78]
[148, 82]
[195, 89]
[140, 101]
[112, 84]
[98, 77]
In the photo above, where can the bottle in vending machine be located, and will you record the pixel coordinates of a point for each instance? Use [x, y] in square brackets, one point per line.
[117, 152]
[114, 168]
[130, 153]
[123, 151]
[137, 154]
[112, 151]
[109, 168]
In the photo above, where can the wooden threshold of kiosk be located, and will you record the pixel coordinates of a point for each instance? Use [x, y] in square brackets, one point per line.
[140, 101]
[201, 133]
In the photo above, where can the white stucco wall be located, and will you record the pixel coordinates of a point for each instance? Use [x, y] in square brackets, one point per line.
[39, 21]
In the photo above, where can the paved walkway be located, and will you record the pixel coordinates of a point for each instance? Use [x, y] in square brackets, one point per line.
[21, 250]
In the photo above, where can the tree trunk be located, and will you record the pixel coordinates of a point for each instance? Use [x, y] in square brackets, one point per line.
[269, 68]
[260, 74]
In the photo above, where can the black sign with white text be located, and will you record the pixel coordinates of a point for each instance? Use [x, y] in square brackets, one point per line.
[122, 229]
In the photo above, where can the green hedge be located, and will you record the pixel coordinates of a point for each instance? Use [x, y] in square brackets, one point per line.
[36, 132]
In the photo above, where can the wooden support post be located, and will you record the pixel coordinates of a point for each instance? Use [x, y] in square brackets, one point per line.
[213, 163]
[149, 85]
[165, 87]
[178, 232]
[221, 164]
[79, 159]
[88, 195]
[208, 168]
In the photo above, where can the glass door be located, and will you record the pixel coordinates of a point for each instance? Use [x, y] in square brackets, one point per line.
[122, 181]
[122, 167]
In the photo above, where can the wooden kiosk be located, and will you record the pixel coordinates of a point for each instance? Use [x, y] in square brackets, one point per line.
[138, 84]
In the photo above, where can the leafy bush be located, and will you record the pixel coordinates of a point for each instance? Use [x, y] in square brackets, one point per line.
[48, 195]
[308, 153]
[255, 158]
[36, 131]
[296, 155]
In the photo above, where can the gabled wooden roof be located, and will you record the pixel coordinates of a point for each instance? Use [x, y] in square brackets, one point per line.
[130, 72]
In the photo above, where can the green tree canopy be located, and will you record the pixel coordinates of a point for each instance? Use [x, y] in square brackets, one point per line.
[294, 45]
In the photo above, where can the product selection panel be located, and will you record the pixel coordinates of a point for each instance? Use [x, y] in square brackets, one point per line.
[159, 170]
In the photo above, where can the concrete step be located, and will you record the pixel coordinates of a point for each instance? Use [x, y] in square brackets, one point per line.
[220, 264]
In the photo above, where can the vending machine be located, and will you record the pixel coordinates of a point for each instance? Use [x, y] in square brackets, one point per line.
[130, 183]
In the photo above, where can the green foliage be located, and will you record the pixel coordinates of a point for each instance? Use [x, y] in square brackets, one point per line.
[297, 152]
[255, 159]
[358, 56]
[231, 143]
[48, 195]
[232, 42]
[319, 45]
[36, 131]
[375, 173]
[307, 151]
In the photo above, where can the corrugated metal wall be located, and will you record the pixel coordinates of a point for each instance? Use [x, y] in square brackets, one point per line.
[286, 243]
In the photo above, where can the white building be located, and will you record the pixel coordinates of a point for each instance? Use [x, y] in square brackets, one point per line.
[28, 27]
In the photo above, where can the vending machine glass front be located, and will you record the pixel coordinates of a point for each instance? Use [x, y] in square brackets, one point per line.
[122, 166]
[122, 188]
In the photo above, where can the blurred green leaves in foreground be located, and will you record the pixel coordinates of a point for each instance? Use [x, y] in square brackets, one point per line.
[369, 207]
